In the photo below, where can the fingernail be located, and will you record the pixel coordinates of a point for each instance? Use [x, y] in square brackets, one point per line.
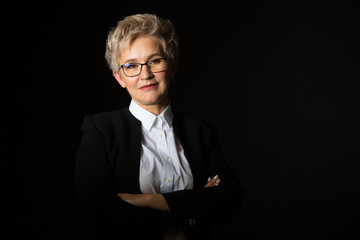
[209, 179]
[218, 181]
[216, 177]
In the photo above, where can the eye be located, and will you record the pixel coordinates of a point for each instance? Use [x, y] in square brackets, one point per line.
[130, 66]
[155, 61]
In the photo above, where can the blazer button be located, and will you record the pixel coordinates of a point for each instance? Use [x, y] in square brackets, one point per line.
[192, 222]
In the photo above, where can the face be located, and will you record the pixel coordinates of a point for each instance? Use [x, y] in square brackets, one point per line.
[149, 90]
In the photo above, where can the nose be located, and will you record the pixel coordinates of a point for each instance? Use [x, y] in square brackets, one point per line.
[145, 73]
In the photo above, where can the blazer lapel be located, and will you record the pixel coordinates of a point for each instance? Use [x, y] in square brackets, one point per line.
[186, 133]
[128, 156]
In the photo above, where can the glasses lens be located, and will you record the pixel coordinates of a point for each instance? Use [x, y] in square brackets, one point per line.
[132, 69]
[157, 65]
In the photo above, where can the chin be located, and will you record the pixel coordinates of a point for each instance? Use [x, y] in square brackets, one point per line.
[153, 101]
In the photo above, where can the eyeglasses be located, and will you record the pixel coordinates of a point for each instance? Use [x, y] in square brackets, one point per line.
[154, 66]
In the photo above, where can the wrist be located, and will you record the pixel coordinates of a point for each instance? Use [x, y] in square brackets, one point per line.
[155, 201]
[147, 199]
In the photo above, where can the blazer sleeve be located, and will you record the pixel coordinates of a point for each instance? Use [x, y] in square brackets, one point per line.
[97, 191]
[208, 206]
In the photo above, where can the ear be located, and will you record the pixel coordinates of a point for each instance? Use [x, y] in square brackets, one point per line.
[119, 79]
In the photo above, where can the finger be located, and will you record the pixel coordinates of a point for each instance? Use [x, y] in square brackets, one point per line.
[208, 184]
[214, 179]
[213, 182]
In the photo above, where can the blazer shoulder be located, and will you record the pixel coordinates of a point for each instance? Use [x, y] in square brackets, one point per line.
[192, 122]
[111, 115]
[107, 121]
[191, 119]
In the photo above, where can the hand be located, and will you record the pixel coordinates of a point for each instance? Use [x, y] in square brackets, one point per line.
[213, 182]
[134, 199]
[157, 201]
[154, 201]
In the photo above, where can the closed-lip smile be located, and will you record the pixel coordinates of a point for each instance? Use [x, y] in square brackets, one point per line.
[148, 86]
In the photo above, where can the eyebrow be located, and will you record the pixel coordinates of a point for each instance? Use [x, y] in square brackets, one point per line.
[135, 60]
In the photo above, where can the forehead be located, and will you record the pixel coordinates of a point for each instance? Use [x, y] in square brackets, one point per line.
[140, 49]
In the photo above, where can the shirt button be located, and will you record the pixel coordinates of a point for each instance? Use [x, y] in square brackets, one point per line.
[160, 135]
[167, 180]
[166, 157]
[192, 222]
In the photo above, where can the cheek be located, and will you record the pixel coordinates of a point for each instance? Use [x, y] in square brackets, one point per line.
[131, 86]
[164, 77]
[127, 83]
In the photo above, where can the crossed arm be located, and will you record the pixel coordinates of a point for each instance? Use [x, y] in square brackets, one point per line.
[98, 196]
[157, 201]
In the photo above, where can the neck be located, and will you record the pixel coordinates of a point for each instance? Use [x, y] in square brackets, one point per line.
[156, 108]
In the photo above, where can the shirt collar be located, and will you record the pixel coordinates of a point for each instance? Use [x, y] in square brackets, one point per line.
[149, 119]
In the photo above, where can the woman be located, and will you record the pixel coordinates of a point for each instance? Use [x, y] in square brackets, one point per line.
[145, 171]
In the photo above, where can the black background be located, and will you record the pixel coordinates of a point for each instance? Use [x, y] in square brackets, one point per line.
[279, 82]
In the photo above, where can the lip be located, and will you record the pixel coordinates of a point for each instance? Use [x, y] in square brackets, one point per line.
[148, 87]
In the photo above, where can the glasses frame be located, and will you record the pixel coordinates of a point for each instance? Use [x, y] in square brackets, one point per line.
[142, 64]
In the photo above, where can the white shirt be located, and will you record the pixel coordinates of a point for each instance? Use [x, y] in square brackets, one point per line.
[163, 165]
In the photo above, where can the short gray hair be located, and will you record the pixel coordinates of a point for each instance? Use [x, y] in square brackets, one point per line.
[131, 27]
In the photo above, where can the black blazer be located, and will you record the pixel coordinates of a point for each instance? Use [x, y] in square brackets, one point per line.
[108, 161]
